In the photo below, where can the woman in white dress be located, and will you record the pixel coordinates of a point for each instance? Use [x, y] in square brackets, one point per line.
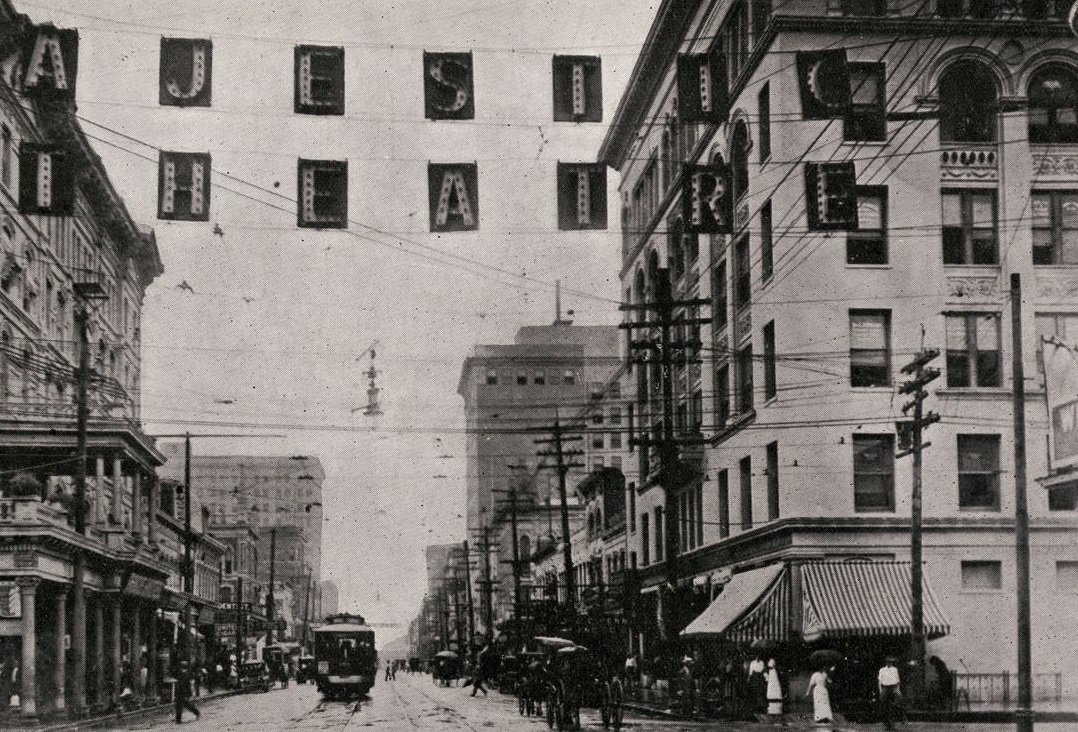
[821, 699]
[774, 688]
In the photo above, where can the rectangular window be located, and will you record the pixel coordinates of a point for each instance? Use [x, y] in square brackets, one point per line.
[770, 386]
[615, 461]
[659, 533]
[873, 473]
[722, 397]
[645, 539]
[978, 472]
[763, 102]
[745, 475]
[696, 411]
[973, 350]
[772, 481]
[969, 227]
[868, 243]
[1067, 576]
[724, 503]
[597, 441]
[522, 378]
[1055, 227]
[615, 440]
[492, 377]
[767, 249]
[982, 575]
[614, 390]
[744, 380]
[598, 463]
[870, 348]
[719, 296]
[631, 490]
[742, 274]
[539, 377]
[569, 377]
[597, 416]
[867, 121]
[615, 415]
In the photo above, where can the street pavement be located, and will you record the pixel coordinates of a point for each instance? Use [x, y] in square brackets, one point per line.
[412, 703]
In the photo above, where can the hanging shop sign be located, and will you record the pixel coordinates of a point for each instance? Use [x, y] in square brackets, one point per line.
[581, 196]
[448, 85]
[50, 62]
[186, 72]
[183, 186]
[453, 196]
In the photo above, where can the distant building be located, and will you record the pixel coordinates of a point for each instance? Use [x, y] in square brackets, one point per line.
[328, 599]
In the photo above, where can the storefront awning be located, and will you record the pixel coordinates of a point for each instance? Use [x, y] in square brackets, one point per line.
[841, 599]
[741, 595]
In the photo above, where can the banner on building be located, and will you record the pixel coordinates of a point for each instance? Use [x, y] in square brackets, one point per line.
[823, 78]
[183, 186]
[581, 196]
[50, 62]
[319, 80]
[578, 89]
[702, 91]
[46, 180]
[831, 196]
[186, 72]
[323, 194]
[1061, 386]
[706, 205]
[448, 85]
[453, 195]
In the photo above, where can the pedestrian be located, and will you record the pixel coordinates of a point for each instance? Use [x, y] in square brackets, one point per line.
[890, 691]
[183, 693]
[774, 689]
[757, 683]
[821, 697]
[482, 665]
[389, 671]
[687, 682]
[632, 671]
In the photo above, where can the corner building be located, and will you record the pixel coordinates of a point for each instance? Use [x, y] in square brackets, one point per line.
[964, 138]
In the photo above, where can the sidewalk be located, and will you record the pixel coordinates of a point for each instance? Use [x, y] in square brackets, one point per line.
[54, 722]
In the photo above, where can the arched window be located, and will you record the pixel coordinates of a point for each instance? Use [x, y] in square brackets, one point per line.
[1053, 105]
[739, 161]
[968, 103]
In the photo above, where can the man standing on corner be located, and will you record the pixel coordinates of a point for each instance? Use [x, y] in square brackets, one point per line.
[183, 693]
[890, 693]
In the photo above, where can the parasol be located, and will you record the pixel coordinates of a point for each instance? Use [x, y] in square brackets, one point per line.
[572, 649]
[764, 644]
[825, 657]
[553, 641]
[446, 654]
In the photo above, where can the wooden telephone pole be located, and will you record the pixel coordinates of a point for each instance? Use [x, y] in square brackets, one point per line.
[563, 464]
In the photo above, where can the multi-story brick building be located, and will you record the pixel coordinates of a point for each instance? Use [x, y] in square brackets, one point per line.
[958, 120]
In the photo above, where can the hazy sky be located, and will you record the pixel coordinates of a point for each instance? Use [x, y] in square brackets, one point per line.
[280, 318]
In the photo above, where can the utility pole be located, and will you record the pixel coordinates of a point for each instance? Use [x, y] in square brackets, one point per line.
[516, 561]
[468, 588]
[271, 602]
[307, 606]
[1024, 713]
[561, 455]
[671, 473]
[921, 375]
[240, 630]
[188, 568]
[488, 585]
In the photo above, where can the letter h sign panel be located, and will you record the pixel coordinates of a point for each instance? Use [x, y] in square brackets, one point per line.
[183, 186]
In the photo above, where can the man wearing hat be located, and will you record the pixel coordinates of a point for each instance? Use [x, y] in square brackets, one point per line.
[890, 692]
[688, 684]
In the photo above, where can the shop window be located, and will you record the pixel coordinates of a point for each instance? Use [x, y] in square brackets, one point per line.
[982, 575]
[873, 473]
[969, 227]
[978, 472]
[968, 103]
[1053, 105]
[973, 350]
[867, 244]
[870, 348]
[1055, 227]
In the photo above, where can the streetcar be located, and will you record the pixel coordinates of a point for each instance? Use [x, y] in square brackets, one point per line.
[346, 662]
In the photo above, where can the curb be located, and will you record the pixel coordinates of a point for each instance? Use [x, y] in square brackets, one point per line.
[118, 717]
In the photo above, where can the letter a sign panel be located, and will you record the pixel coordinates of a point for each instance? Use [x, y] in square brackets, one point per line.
[453, 196]
[51, 60]
[186, 74]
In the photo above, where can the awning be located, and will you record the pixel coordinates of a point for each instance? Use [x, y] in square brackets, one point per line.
[841, 599]
[740, 595]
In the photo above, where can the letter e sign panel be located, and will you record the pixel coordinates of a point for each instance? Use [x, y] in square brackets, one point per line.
[581, 196]
[183, 186]
[323, 194]
[453, 196]
[448, 85]
[186, 73]
[319, 80]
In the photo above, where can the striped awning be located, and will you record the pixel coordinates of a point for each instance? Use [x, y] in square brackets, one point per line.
[737, 605]
[840, 599]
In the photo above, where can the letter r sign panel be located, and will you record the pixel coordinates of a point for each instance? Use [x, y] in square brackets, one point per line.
[448, 85]
[186, 72]
[453, 196]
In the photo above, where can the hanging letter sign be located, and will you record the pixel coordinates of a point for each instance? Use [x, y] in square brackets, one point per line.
[448, 85]
[453, 194]
[46, 180]
[824, 82]
[183, 186]
[701, 83]
[51, 61]
[323, 194]
[578, 89]
[581, 196]
[319, 80]
[706, 207]
[186, 72]
[831, 196]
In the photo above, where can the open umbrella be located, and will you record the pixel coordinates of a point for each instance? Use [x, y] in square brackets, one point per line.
[446, 654]
[553, 641]
[825, 657]
[764, 644]
[572, 649]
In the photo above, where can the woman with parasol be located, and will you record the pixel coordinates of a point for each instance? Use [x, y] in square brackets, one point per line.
[819, 682]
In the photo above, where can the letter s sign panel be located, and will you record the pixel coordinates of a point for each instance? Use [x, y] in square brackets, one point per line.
[448, 85]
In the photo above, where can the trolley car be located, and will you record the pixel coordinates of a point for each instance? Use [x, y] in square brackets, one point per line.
[345, 657]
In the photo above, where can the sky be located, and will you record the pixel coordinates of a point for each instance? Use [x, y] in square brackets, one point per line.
[273, 334]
